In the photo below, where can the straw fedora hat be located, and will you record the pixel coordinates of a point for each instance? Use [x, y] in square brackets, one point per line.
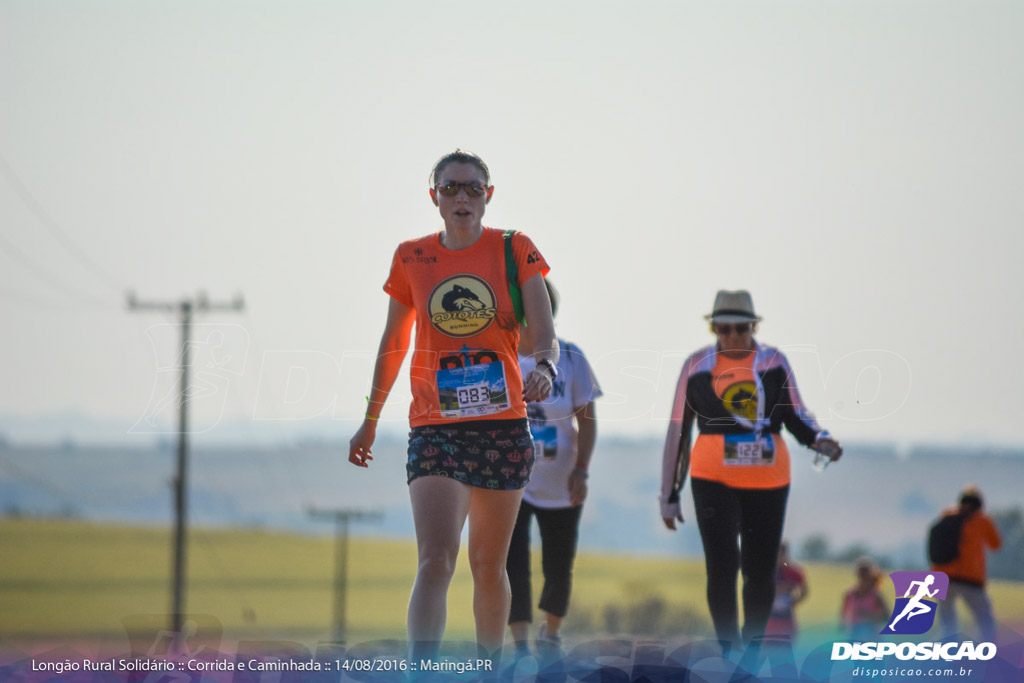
[733, 307]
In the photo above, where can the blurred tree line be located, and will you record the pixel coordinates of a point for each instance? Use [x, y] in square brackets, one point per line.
[1006, 563]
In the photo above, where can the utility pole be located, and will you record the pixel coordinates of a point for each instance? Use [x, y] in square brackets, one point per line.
[341, 520]
[185, 308]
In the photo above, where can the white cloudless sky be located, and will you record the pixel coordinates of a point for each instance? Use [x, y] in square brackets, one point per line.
[856, 165]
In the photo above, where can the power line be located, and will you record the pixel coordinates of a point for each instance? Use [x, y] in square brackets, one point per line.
[44, 275]
[68, 497]
[248, 613]
[53, 227]
[44, 484]
[25, 300]
[288, 474]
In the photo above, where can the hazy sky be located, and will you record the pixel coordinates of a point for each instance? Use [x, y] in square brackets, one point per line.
[857, 165]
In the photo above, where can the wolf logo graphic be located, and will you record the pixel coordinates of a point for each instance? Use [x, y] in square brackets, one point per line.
[461, 306]
[461, 299]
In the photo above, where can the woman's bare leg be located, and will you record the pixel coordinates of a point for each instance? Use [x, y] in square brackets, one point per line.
[492, 516]
[439, 509]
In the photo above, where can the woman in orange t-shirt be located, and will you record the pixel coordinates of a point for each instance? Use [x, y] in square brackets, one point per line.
[740, 394]
[470, 451]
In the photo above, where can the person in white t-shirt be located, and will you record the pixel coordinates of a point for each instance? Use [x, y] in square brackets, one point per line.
[564, 429]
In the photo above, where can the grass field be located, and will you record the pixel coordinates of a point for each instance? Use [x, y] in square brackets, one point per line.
[65, 579]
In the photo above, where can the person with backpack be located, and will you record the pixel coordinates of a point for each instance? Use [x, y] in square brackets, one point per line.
[470, 450]
[972, 536]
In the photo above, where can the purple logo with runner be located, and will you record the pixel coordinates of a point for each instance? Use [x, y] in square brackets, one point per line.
[914, 612]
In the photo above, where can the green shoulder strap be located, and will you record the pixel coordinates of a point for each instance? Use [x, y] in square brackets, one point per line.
[512, 271]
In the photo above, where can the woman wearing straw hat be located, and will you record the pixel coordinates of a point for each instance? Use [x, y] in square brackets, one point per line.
[740, 393]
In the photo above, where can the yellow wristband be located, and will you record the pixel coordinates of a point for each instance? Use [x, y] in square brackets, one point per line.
[368, 416]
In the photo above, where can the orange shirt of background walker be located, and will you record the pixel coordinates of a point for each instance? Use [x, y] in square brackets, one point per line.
[464, 317]
[978, 533]
[733, 382]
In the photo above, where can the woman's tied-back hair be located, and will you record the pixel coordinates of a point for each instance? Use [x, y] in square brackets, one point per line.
[459, 156]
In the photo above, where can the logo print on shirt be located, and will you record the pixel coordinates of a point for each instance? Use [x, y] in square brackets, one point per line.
[461, 299]
[914, 613]
[741, 399]
[461, 306]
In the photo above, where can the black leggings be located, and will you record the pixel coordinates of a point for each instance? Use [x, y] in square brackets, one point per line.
[559, 531]
[755, 516]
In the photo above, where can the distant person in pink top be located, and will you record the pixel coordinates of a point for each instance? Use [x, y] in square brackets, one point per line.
[864, 610]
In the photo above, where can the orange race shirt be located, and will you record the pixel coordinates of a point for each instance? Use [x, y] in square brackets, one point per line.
[717, 457]
[465, 364]
[978, 533]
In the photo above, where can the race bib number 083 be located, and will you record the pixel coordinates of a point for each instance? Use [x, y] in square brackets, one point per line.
[476, 395]
[472, 390]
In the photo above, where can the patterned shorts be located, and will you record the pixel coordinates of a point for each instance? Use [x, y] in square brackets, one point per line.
[488, 454]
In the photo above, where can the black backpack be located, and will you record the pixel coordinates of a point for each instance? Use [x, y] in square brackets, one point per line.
[944, 538]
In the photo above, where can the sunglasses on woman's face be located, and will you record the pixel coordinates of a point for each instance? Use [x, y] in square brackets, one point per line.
[450, 189]
[726, 329]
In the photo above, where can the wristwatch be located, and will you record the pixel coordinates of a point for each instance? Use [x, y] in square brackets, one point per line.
[552, 370]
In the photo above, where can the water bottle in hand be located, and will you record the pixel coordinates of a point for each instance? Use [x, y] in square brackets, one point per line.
[824, 455]
[820, 462]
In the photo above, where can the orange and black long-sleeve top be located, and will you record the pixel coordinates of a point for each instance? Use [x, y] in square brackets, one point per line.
[739, 407]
